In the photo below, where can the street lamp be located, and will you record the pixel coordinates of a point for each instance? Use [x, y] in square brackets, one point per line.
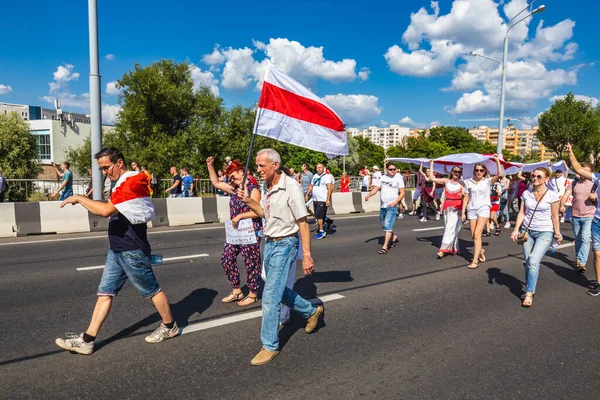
[504, 65]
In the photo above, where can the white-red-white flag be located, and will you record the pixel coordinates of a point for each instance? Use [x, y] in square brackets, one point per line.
[289, 112]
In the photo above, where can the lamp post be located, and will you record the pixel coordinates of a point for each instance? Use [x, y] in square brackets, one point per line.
[95, 99]
[504, 62]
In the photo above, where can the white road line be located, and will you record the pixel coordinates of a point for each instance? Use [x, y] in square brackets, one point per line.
[562, 246]
[427, 229]
[246, 316]
[165, 259]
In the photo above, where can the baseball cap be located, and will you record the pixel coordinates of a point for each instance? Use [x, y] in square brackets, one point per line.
[375, 167]
[228, 158]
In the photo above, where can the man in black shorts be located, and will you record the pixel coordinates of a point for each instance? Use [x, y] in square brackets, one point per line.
[321, 189]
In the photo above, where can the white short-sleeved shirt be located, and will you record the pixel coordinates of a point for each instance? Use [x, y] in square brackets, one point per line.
[375, 178]
[542, 220]
[596, 180]
[479, 193]
[390, 188]
[559, 185]
[366, 179]
[284, 206]
[319, 183]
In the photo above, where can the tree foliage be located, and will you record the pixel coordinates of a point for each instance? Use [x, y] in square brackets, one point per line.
[571, 120]
[18, 152]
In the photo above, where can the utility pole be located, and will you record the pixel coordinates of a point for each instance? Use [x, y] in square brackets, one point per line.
[95, 100]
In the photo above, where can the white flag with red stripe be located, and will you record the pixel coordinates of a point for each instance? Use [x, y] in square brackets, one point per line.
[289, 112]
[131, 197]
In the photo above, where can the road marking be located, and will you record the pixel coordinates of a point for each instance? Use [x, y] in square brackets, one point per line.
[246, 316]
[427, 229]
[165, 259]
[562, 246]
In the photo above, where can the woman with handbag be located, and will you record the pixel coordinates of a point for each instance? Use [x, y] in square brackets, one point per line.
[477, 204]
[539, 211]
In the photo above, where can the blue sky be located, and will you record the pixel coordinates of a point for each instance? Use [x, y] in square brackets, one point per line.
[375, 63]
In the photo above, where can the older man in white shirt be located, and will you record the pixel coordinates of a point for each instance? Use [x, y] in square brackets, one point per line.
[285, 215]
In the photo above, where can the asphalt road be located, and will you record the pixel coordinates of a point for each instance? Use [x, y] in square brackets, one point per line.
[397, 326]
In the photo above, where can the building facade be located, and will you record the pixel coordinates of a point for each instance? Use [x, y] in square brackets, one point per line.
[384, 137]
[516, 141]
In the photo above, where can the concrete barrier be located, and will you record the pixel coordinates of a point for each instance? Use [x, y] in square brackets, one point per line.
[372, 205]
[27, 218]
[344, 203]
[69, 219]
[192, 210]
[8, 227]
[161, 216]
[223, 209]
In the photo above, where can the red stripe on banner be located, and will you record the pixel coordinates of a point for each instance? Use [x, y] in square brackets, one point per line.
[134, 187]
[287, 103]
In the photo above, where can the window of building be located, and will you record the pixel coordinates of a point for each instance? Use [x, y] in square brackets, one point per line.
[44, 149]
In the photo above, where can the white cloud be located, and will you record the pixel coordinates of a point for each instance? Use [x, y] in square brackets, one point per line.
[110, 57]
[5, 89]
[407, 121]
[204, 78]
[110, 113]
[592, 100]
[112, 89]
[244, 67]
[70, 100]
[528, 122]
[438, 44]
[214, 58]
[354, 109]
[434, 123]
[384, 123]
[64, 73]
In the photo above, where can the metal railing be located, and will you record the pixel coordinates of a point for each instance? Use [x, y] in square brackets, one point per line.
[33, 190]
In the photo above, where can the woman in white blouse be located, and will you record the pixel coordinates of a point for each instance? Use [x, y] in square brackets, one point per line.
[477, 204]
[539, 217]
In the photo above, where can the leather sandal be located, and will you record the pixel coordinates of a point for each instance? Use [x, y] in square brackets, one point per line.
[231, 297]
[482, 255]
[248, 300]
[473, 265]
[440, 254]
[528, 301]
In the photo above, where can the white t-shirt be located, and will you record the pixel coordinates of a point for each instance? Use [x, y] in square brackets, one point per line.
[390, 188]
[319, 183]
[375, 178]
[542, 220]
[479, 193]
[366, 179]
[559, 185]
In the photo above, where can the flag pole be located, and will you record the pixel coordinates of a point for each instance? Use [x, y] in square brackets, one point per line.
[250, 150]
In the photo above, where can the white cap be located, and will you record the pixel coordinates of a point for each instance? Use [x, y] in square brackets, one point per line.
[375, 167]
[228, 158]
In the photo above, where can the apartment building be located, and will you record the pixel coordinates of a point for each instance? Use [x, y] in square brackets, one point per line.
[385, 137]
[516, 141]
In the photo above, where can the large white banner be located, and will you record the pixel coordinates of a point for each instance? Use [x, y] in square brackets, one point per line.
[244, 234]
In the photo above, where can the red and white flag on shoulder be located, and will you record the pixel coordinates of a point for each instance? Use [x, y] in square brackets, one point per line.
[289, 112]
[131, 196]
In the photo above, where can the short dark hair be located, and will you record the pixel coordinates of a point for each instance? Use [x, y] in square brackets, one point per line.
[390, 164]
[186, 169]
[112, 153]
[67, 164]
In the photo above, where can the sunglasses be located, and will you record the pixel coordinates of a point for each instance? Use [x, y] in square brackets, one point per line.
[107, 167]
[391, 169]
[456, 172]
[480, 170]
[537, 177]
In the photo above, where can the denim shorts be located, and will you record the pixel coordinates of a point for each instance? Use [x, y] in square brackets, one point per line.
[133, 265]
[66, 194]
[387, 217]
[596, 234]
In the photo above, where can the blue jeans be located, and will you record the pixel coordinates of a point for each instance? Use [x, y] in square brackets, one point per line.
[66, 194]
[133, 265]
[596, 234]
[533, 252]
[387, 217]
[185, 193]
[278, 258]
[582, 228]
[504, 206]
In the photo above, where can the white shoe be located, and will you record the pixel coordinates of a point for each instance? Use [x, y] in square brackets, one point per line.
[437, 216]
[412, 213]
[423, 219]
[562, 220]
[492, 226]
[507, 225]
[400, 216]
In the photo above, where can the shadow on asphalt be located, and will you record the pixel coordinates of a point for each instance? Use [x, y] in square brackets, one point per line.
[569, 274]
[513, 284]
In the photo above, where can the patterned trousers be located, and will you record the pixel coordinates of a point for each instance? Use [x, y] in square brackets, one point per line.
[251, 256]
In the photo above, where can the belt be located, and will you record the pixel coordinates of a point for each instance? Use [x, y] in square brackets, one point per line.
[280, 238]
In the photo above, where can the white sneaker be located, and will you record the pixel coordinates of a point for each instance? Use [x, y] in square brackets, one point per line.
[437, 216]
[162, 333]
[412, 213]
[74, 342]
[400, 216]
[423, 219]
[507, 225]
[492, 226]
[562, 220]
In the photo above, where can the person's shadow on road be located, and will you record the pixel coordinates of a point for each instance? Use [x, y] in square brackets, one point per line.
[196, 302]
[306, 288]
[513, 284]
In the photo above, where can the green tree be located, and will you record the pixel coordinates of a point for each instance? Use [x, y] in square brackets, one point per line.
[571, 120]
[18, 153]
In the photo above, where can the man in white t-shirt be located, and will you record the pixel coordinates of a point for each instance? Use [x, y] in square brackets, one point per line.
[391, 186]
[375, 176]
[321, 188]
[559, 185]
